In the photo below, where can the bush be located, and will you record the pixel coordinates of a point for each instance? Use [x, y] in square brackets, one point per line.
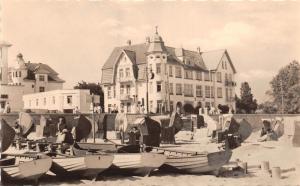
[224, 109]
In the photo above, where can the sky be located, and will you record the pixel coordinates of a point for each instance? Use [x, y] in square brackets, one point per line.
[76, 37]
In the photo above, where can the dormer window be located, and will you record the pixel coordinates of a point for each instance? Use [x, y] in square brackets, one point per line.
[157, 56]
[151, 57]
[164, 57]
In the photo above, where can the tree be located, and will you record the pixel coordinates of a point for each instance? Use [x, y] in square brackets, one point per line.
[246, 104]
[94, 88]
[284, 87]
[223, 108]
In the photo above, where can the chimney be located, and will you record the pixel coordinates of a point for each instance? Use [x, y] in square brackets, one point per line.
[129, 42]
[199, 50]
[147, 40]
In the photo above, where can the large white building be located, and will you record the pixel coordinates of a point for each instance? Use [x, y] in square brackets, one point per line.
[25, 78]
[175, 76]
[65, 101]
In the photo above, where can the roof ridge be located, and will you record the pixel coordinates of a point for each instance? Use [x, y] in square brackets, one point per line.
[214, 50]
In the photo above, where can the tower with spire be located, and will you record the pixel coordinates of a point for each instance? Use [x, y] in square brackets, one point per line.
[156, 56]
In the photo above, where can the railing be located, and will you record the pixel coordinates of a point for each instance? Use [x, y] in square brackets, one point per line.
[124, 97]
[125, 79]
[230, 83]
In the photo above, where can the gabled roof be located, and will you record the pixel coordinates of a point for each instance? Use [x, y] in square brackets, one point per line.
[137, 54]
[213, 58]
[41, 68]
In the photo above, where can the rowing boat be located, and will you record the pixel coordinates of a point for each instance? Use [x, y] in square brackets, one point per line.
[26, 168]
[199, 163]
[87, 166]
[140, 164]
[189, 162]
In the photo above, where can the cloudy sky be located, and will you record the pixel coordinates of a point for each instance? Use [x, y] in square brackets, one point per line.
[76, 37]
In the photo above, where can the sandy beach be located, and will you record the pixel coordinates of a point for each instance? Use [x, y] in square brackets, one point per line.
[279, 153]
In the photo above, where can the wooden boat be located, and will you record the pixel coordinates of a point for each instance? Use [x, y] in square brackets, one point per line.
[140, 164]
[88, 166]
[196, 163]
[24, 168]
[20, 167]
[177, 160]
[136, 163]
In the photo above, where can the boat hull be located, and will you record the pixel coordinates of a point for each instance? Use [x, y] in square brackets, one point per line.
[29, 170]
[197, 164]
[140, 164]
[88, 166]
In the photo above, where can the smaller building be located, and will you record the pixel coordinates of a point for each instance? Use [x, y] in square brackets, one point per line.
[66, 101]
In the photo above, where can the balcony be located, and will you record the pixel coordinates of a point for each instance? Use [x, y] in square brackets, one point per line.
[125, 97]
[125, 79]
[230, 83]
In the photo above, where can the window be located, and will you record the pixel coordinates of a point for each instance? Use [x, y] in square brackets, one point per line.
[157, 56]
[109, 92]
[207, 91]
[158, 87]
[109, 108]
[219, 76]
[128, 107]
[206, 76]
[225, 65]
[122, 89]
[121, 73]
[230, 77]
[188, 90]
[128, 89]
[226, 77]
[212, 92]
[188, 74]
[178, 72]
[222, 64]
[53, 100]
[158, 68]
[45, 101]
[199, 91]
[219, 92]
[41, 78]
[37, 102]
[178, 89]
[127, 72]
[199, 76]
[170, 71]
[171, 88]
[5, 96]
[20, 73]
[69, 99]
[42, 89]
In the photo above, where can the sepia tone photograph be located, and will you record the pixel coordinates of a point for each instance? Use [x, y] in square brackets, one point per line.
[153, 93]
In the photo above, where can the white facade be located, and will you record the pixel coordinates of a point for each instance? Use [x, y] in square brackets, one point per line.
[25, 78]
[60, 101]
[172, 84]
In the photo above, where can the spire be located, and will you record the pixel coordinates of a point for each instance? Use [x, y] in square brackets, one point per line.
[157, 43]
